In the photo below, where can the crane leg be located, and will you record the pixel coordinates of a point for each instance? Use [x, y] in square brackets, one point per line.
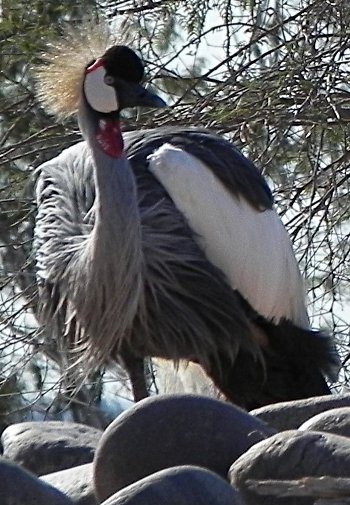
[136, 371]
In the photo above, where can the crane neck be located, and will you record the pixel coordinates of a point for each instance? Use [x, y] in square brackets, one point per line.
[116, 194]
[116, 204]
[111, 283]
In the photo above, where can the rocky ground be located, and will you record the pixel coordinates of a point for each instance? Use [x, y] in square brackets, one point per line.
[185, 450]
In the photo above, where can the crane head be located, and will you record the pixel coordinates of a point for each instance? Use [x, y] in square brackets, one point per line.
[88, 63]
[112, 82]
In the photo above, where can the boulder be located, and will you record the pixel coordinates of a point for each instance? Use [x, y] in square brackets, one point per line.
[76, 483]
[49, 446]
[182, 485]
[173, 430]
[20, 487]
[289, 455]
[331, 421]
[290, 415]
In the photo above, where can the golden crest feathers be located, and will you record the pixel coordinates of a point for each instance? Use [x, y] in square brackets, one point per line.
[59, 79]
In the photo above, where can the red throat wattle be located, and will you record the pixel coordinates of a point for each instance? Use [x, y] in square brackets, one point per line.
[109, 138]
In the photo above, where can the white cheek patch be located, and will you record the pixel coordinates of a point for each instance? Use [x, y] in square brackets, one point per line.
[98, 94]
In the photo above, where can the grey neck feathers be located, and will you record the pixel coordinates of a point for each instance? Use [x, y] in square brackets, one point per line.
[109, 289]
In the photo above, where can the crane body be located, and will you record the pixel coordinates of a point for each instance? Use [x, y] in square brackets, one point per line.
[165, 243]
[214, 276]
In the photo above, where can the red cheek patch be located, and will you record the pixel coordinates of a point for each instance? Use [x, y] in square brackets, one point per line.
[109, 138]
[97, 64]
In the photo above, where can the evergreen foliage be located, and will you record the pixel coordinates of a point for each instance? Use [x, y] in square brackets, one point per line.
[272, 75]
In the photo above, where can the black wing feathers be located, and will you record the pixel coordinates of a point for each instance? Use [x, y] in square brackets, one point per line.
[234, 170]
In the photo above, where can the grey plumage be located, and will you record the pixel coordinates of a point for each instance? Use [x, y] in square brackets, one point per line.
[185, 308]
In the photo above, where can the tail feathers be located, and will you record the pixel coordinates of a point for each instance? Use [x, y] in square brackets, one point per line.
[305, 348]
[296, 363]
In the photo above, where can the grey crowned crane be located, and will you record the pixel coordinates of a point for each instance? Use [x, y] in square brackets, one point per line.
[165, 243]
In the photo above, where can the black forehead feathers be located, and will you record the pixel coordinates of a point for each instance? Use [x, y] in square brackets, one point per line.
[123, 63]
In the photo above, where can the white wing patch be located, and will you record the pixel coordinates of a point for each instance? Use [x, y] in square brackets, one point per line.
[251, 248]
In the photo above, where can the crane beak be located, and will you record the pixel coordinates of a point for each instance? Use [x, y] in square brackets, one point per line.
[131, 94]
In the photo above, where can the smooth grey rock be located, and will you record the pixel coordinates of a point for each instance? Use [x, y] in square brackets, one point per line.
[172, 430]
[49, 446]
[76, 483]
[181, 485]
[332, 421]
[19, 487]
[290, 415]
[290, 455]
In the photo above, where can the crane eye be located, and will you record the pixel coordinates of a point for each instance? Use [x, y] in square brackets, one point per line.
[109, 80]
